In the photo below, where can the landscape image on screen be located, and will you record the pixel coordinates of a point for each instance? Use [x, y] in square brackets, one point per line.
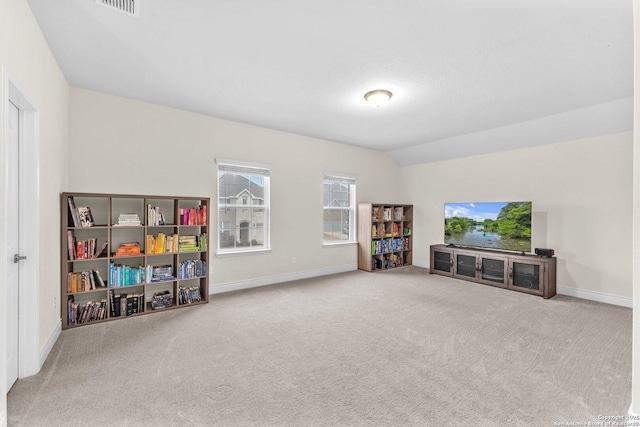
[495, 225]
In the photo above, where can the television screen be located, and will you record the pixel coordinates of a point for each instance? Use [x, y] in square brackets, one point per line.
[494, 225]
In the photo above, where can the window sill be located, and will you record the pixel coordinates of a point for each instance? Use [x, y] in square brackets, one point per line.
[329, 245]
[243, 252]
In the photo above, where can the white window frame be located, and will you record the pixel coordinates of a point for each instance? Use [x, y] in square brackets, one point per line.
[351, 180]
[257, 169]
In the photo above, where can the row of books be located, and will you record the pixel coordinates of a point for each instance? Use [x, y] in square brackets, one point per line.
[155, 216]
[389, 230]
[193, 216]
[396, 213]
[87, 312]
[387, 261]
[192, 268]
[84, 281]
[125, 275]
[161, 244]
[394, 244]
[125, 304]
[192, 243]
[189, 295]
[83, 248]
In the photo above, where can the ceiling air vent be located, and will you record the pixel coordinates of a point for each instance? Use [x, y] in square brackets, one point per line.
[130, 7]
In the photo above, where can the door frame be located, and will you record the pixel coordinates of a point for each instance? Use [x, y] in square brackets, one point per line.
[29, 236]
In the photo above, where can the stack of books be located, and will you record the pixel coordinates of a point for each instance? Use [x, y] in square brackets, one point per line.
[162, 299]
[128, 219]
[188, 244]
[129, 249]
[161, 273]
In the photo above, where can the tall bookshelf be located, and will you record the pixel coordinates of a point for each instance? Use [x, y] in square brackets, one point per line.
[385, 236]
[155, 255]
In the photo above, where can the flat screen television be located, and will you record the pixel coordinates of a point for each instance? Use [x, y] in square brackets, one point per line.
[493, 225]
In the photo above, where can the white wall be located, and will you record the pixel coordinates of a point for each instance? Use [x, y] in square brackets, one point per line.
[124, 146]
[582, 205]
[25, 52]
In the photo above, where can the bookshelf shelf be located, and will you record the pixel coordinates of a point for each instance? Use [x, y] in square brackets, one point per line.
[118, 285]
[385, 236]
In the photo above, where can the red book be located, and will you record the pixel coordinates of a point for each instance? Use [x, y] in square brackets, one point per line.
[203, 215]
[192, 216]
[80, 249]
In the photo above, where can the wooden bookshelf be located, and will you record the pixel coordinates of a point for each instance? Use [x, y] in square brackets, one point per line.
[385, 236]
[152, 245]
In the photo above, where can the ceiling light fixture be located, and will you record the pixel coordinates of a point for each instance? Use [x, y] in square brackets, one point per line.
[378, 97]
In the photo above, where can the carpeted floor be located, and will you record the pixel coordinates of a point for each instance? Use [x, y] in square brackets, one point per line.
[398, 347]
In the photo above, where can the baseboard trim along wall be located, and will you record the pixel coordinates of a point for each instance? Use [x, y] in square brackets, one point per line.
[3, 419]
[263, 281]
[421, 263]
[50, 342]
[595, 296]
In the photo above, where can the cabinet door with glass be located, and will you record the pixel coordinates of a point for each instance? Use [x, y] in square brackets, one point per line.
[527, 276]
[466, 265]
[442, 261]
[493, 270]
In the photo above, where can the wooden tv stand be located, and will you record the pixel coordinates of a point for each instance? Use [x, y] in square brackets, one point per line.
[515, 271]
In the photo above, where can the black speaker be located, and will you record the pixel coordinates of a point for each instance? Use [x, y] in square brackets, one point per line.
[544, 252]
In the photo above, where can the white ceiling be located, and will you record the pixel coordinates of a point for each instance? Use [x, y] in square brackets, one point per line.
[465, 74]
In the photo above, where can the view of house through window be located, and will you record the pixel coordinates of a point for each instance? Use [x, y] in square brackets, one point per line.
[339, 209]
[243, 206]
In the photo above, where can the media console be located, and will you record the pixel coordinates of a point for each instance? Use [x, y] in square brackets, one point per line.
[515, 271]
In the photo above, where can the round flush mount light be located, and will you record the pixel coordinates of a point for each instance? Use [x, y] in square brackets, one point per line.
[378, 97]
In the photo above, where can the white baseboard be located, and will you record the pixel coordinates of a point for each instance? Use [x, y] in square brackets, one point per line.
[3, 418]
[53, 337]
[263, 281]
[595, 296]
[420, 263]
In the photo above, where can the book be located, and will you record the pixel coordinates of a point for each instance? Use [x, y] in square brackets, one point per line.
[129, 302]
[74, 212]
[98, 278]
[123, 305]
[84, 216]
[71, 245]
[99, 251]
[116, 305]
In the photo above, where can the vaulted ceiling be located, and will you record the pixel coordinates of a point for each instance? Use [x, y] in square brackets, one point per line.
[467, 76]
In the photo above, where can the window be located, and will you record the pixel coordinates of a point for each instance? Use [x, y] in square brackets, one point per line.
[243, 206]
[339, 198]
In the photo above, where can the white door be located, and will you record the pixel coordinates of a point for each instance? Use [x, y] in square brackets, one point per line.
[12, 275]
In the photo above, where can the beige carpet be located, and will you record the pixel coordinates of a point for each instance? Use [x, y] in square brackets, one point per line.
[399, 347]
